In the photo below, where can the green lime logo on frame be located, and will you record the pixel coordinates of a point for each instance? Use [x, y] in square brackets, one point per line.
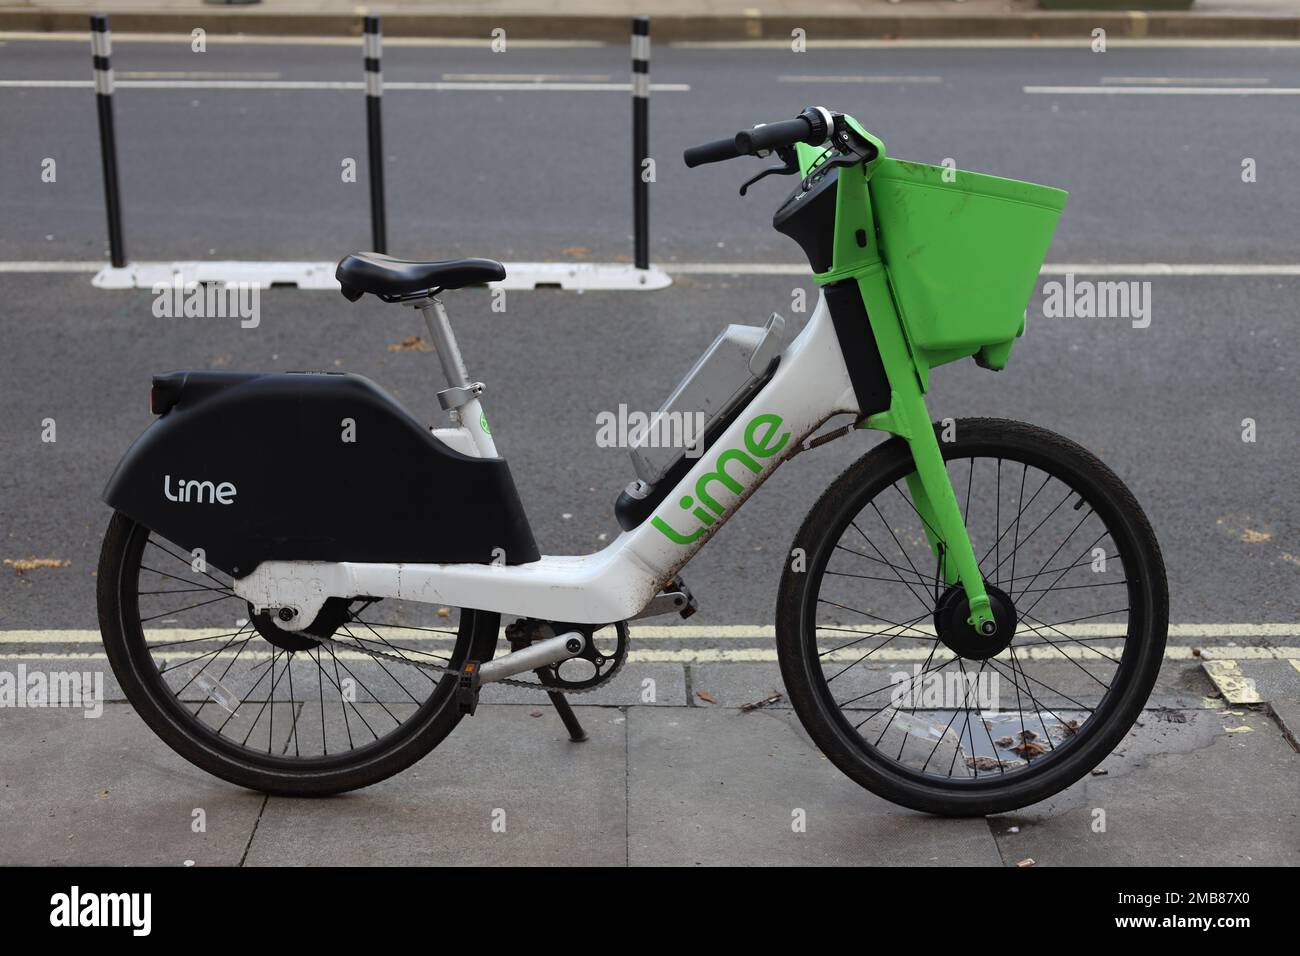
[763, 439]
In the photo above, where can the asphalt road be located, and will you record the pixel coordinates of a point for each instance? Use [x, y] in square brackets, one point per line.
[254, 174]
[525, 175]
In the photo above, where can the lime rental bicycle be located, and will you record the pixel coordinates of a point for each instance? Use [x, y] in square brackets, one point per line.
[303, 587]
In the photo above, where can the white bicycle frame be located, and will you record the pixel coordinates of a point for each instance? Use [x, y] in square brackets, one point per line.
[810, 385]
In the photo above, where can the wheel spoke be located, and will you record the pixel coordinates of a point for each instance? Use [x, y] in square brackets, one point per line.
[224, 597]
[897, 573]
[188, 562]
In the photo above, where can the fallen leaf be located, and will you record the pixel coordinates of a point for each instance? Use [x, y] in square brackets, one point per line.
[412, 343]
[536, 713]
[1243, 729]
[705, 696]
[1003, 742]
[1026, 862]
[22, 565]
[986, 763]
[1029, 750]
[1255, 537]
[1027, 735]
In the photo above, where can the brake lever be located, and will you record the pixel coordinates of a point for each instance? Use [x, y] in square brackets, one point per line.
[788, 156]
[853, 150]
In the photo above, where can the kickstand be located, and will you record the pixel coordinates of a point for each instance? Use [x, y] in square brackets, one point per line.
[570, 719]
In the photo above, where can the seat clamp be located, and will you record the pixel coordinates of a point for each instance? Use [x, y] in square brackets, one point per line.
[457, 396]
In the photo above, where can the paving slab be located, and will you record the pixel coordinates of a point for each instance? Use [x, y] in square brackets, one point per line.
[718, 787]
[562, 803]
[106, 792]
[1185, 788]
[94, 669]
[1278, 682]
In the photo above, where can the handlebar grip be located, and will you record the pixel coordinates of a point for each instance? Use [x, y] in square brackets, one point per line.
[784, 133]
[715, 152]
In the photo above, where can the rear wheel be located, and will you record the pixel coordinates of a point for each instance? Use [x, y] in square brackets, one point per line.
[287, 713]
[901, 693]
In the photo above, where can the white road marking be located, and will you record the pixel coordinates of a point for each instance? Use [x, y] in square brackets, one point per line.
[796, 268]
[1188, 80]
[1171, 269]
[192, 75]
[858, 78]
[527, 77]
[992, 43]
[1164, 90]
[736, 269]
[240, 39]
[50, 265]
[335, 85]
[1048, 269]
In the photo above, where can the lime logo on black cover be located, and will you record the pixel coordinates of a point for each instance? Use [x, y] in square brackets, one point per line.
[195, 491]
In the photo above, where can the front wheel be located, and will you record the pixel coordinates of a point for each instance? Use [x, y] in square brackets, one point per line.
[899, 691]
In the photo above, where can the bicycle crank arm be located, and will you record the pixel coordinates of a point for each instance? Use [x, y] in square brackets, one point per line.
[542, 654]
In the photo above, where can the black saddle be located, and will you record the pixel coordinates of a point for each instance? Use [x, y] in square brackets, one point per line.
[394, 280]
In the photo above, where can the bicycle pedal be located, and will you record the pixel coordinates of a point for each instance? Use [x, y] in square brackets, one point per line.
[467, 688]
[691, 605]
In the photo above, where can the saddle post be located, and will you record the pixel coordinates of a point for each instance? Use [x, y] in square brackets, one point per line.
[460, 398]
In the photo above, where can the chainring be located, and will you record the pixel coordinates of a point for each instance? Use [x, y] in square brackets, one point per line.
[606, 662]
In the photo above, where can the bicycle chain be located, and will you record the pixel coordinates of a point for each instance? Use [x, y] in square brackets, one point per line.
[444, 669]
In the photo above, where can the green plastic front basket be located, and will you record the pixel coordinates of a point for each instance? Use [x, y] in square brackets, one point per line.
[962, 256]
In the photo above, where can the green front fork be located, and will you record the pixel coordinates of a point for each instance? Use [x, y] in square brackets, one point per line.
[929, 485]
[857, 257]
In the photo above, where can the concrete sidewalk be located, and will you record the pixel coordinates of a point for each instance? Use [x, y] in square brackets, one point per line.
[682, 781]
[673, 20]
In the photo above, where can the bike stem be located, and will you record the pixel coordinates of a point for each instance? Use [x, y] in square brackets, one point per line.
[856, 257]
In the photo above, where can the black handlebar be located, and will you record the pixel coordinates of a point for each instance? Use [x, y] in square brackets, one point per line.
[785, 133]
[809, 127]
[715, 152]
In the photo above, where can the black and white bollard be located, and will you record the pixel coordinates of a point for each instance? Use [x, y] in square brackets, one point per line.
[375, 133]
[640, 140]
[101, 45]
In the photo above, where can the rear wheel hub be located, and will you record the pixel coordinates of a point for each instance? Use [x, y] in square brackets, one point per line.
[333, 615]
